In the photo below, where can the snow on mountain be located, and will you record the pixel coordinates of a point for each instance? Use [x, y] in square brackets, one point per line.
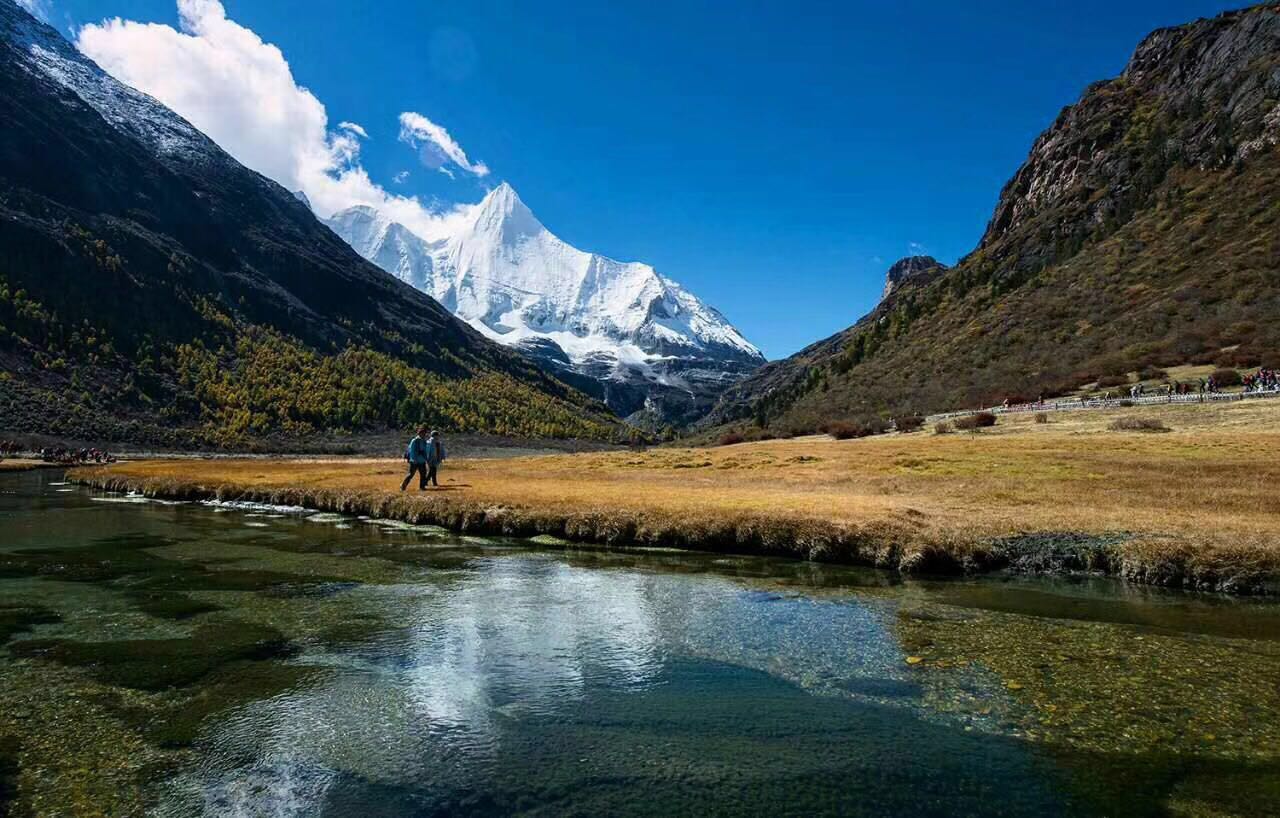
[125, 108]
[652, 343]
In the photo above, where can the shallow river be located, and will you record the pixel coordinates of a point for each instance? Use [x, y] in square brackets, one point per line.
[185, 659]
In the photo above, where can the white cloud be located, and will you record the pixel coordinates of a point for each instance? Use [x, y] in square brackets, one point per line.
[241, 91]
[354, 128]
[401, 177]
[37, 8]
[915, 248]
[436, 148]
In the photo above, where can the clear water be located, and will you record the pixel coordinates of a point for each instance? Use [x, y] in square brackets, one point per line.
[184, 659]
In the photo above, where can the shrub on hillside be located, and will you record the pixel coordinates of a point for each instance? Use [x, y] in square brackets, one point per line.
[909, 423]
[1226, 377]
[1107, 381]
[1042, 417]
[1138, 425]
[731, 439]
[1152, 373]
[1241, 358]
[845, 430]
[942, 428]
[972, 423]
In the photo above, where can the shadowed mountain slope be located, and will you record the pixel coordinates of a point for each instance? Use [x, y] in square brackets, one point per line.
[1143, 230]
[154, 289]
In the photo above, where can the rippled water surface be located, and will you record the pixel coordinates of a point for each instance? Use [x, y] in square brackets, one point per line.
[186, 659]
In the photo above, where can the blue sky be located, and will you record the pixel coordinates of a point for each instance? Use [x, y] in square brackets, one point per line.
[773, 157]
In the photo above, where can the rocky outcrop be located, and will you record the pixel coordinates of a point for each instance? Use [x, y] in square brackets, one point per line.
[916, 270]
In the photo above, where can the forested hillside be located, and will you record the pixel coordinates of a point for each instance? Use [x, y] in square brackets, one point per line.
[1143, 230]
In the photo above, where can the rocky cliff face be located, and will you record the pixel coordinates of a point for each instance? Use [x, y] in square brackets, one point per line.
[1142, 230]
[1205, 95]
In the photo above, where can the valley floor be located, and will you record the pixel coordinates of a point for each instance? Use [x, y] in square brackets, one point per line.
[1195, 507]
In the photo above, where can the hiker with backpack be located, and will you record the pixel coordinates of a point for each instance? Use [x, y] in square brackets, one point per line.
[416, 456]
[435, 456]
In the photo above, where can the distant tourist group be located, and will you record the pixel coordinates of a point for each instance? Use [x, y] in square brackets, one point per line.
[1264, 380]
[424, 454]
[75, 457]
[60, 455]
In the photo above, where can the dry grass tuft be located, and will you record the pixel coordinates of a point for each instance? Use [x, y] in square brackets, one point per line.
[1138, 425]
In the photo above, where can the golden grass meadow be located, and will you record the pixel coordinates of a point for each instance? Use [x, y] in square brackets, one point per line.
[1196, 506]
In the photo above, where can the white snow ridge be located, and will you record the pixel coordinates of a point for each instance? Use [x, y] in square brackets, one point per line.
[635, 338]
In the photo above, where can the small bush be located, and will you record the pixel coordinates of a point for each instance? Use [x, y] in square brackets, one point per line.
[1151, 373]
[942, 428]
[845, 430]
[1138, 425]
[972, 423]
[1042, 417]
[839, 430]
[1112, 380]
[731, 439]
[1226, 377]
[909, 423]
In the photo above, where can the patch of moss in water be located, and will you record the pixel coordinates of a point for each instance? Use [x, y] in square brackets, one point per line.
[178, 723]
[8, 772]
[162, 583]
[1139, 718]
[15, 619]
[160, 664]
[168, 605]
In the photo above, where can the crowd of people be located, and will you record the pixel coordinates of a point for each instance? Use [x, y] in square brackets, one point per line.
[1260, 382]
[75, 457]
[1264, 380]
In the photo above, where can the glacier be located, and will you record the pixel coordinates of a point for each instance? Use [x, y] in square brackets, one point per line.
[638, 340]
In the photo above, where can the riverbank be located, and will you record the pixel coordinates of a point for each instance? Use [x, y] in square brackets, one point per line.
[1192, 507]
[24, 464]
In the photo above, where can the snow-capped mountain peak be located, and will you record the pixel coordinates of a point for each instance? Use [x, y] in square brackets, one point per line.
[504, 272]
[502, 210]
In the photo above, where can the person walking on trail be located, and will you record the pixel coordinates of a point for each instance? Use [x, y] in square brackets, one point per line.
[416, 455]
[435, 456]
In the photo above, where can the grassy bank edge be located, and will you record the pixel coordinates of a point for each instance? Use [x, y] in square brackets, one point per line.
[1162, 561]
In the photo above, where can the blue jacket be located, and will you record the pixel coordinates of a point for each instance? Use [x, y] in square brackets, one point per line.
[435, 452]
[417, 451]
